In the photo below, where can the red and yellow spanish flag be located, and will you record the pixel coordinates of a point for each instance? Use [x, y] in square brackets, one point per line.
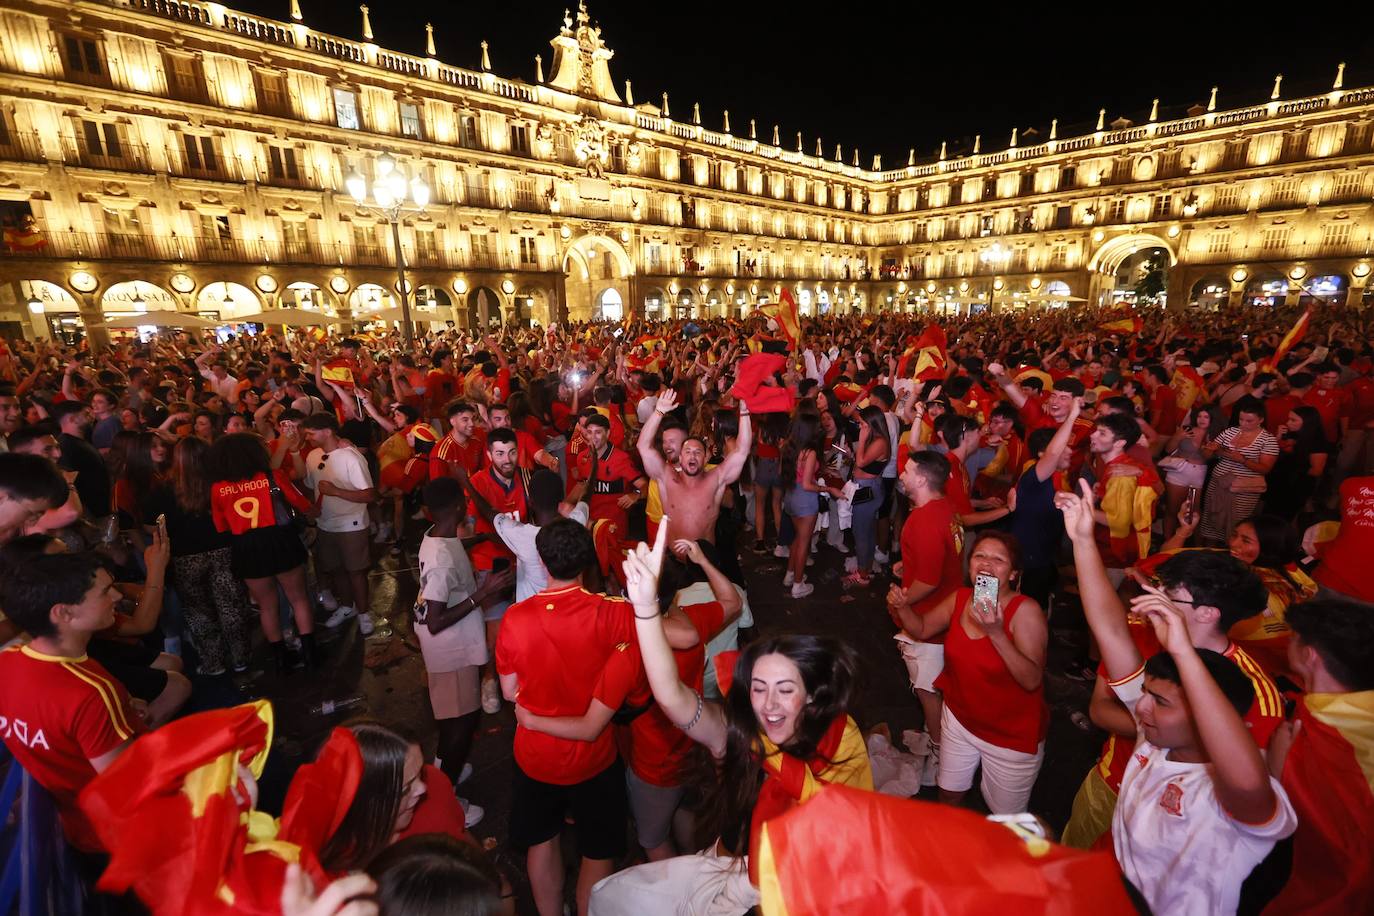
[24, 239]
[338, 371]
[784, 312]
[1128, 500]
[1290, 340]
[178, 836]
[1122, 324]
[318, 798]
[1329, 778]
[932, 356]
[850, 851]
[1188, 386]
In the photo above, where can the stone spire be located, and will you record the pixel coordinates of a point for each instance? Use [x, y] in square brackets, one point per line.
[977, 144]
[819, 154]
[942, 150]
[1054, 129]
[296, 10]
[878, 162]
[1278, 82]
[429, 39]
[856, 157]
[1013, 138]
[911, 158]
[1212, 101]
[727, 120]
[1101, 117]
[799, 141]
[839, 153]
[1340, 76]
[1154, 110]
[629, 94]
[367, 24]
[486, 58]
[753, 130]
[775, 136]
[538, 68]
[696, 113]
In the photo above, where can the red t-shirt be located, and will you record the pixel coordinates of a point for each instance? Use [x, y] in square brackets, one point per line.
[440, 388]
[1263, 718]
[448, 451]
[1276, 411]
[1345, 560]
[57, 715]
[932, 549]
[615, 476]
[241, 506]
[503, 500]
[956, 486]
[1332, 404]
[439, 811]
[528, 446]
[1361, 391]
[557, 643]
[658, 748]
[1164, 401]
[1034, 416]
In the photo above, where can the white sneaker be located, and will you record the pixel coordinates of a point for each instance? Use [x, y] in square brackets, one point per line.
[341, 613]
[787, 579]
[882, 558]
[841, 548]
[327, 600]
[466, 774]
[491, 697]
[802, 589]
[472, 814]
[851, 564]
[384, 533]
[782, 551]
[365, 624]
[930, 776]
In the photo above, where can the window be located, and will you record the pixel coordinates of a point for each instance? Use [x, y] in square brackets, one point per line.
[1059, 256]
[346, 109]
[272, 98]
[985, 225]
[481, 247]
[295, 235]
[1286, 192]
[282, 163]
[1348, 185]
[365, 238]
[1219, 242]
[215, 231]
[425, 246]
[121, 222]
[1335, 236]
[713, 176]
[529, 256]
[684, 167]
[524, 194]
[1225, 199]
[199, 153]
[83, 58]
[6, 138]
[1068, 175]
[1163, 205]
[101, 141]
[410, 120]
[468, 136]
[1276, 238]
[184, 78]
[520, 139]
[653, 255]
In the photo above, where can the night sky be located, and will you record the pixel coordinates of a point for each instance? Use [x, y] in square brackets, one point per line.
[891, 76]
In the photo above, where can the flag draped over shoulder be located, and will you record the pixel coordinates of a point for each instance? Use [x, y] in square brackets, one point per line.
[1329, 778]
[788, 319]
[1290, 340]
[178, 837]
[931, 358]
[1188, 386]
[850, 851]
[319, 797]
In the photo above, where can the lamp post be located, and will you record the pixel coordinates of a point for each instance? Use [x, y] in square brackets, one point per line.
[390, 192]
[995, 257]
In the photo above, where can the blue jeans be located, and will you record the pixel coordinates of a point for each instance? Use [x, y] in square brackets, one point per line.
[865, 522]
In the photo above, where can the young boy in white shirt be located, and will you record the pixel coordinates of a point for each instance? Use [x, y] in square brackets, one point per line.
[452, 637]
[1198, 809]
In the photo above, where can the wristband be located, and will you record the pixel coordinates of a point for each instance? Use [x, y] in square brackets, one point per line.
[701, 706]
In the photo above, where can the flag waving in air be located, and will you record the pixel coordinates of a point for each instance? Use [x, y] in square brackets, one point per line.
[932, 358]
[1188, 385]
[1290, 340]
[1121, 324]
[788, 319]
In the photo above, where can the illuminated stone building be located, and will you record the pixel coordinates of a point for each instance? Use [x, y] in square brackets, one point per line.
[178, 154]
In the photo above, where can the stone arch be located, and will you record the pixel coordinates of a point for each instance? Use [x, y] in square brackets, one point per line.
[591, 244]
[483, 304]
[228, 299]
[1210, 292]
[1108, 258]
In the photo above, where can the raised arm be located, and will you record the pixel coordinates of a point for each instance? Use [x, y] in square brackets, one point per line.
[1049, 461]
[1007, 384]
[730, 469]
[654, 466]
[1101, 605]
[721, 587]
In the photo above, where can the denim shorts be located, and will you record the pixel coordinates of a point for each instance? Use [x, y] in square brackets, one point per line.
[800, 503]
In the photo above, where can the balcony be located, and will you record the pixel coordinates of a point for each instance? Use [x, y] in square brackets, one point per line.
[118, 156]
[21, 147]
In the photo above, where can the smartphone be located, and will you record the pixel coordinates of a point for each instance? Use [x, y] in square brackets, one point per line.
[500, 565]
[985, 589]
[1192, 503]
[162, 525]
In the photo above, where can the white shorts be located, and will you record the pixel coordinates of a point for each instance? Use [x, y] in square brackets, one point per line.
[1008, 776]
[929, 663]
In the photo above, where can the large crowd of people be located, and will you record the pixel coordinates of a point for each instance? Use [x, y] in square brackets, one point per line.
[589, 506]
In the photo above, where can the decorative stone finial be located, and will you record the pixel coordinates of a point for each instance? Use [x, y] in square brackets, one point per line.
[1013, 138]
[296, 10]
[629, 94]
[911, 158]
[856, 157]
[839, 153]
[977, 144]
[1054, 129]
[429, 40]
[696, 113]
[367, 24]
[1278, 81]
[486, 59]
[727, 120]
[1101, 117]
[1212, 102]
[1340, 76]
[878, 162]
[819, 154]
[1154, 110]
[665, 106]
[753, 130]
[942, 150]
[799, 141]
[539, 70]
[776, 142]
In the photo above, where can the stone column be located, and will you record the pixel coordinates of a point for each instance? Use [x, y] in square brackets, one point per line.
[91, 317]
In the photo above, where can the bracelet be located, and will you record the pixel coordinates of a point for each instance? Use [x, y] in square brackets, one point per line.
[701, 706]
[650, 617]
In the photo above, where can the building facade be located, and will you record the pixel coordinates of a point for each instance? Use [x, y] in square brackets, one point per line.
[177, 154]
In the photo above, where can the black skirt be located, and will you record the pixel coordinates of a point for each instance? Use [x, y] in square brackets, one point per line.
[266, 552]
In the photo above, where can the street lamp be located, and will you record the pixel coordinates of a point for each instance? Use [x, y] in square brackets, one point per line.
[390, 192]
[995, 257]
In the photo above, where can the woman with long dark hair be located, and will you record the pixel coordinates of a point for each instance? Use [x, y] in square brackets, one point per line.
[801, 500]
[213, 599]
[1303, 454]
[782, 731]
[1185, 467]
[768, 489]
[143, 470]
[388, 792]
[870, 457]
[249, 502]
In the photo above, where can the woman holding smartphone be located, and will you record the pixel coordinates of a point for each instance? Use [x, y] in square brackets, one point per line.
[993, 680]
